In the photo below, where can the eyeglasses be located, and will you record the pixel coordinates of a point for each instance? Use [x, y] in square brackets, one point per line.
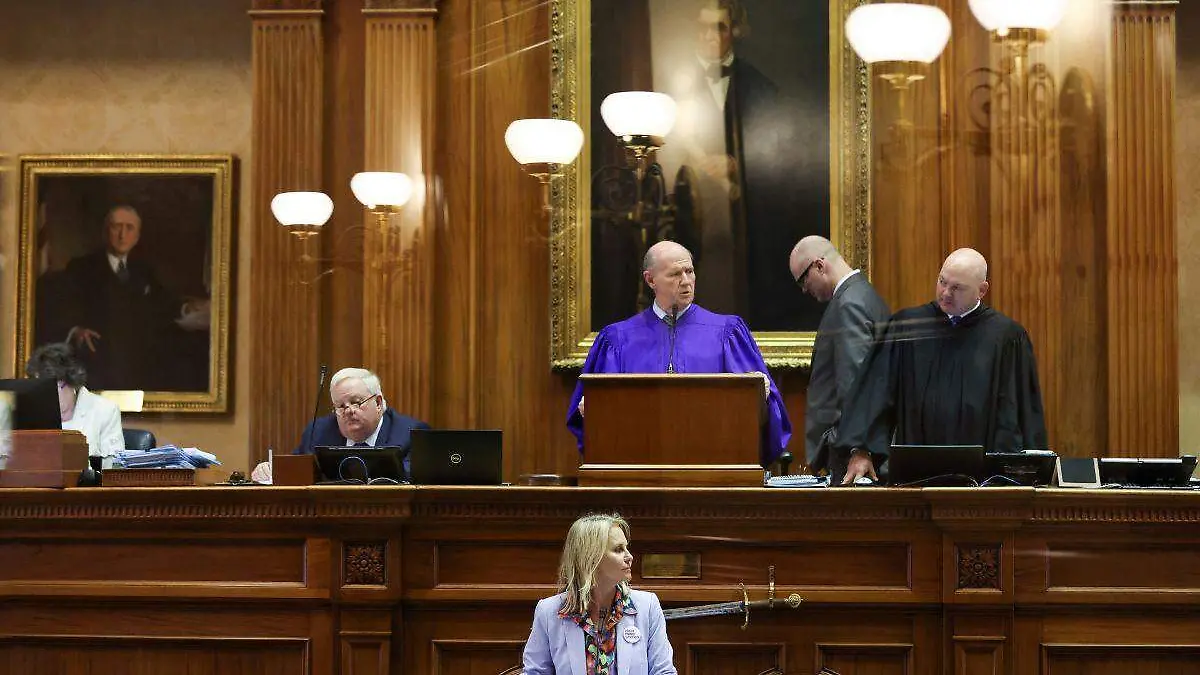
[341, 410]
[804, 275]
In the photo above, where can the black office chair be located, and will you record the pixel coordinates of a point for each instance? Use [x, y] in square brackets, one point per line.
[138, 439]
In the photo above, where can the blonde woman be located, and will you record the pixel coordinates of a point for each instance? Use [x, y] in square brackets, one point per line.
[597, 624]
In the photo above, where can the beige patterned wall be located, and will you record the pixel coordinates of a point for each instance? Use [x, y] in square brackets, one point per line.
[1187, 158]
[147, 76]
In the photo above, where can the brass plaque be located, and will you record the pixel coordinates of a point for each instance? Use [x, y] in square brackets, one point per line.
[671, 566]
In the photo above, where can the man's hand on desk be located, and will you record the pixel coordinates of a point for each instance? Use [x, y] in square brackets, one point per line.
[261, 473]
[859, 465]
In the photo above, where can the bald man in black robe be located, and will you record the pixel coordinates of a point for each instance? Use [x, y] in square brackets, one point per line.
[951, 372]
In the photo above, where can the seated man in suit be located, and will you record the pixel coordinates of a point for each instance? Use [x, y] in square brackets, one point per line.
[360, 418]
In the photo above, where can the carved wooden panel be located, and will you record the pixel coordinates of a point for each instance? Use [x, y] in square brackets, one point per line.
[117, 561]
[364, 564]
[475, 657]
[978, 656]
[1122, 567]
[365, 641]
[978, 566]
[59, 656]
[732, 658]
[1120, 660]
[866, 658]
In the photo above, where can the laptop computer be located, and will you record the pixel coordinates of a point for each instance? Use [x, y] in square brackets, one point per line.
[456, 457]
[915, 463]
[371, 465]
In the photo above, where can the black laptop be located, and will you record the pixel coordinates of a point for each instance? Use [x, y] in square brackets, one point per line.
[456, 457]
[931, 465]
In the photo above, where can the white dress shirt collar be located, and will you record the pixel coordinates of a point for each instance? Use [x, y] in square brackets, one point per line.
[960, 316]
[843, 280]
[114, 261]
[370, 440]
[661, 314]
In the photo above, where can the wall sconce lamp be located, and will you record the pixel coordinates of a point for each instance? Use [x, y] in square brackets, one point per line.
[542, 147]
[1017, 24]
[899, 40]
[303, 214]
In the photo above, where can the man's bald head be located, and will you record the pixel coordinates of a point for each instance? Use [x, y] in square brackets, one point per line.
[664, 251]
[667, 268]
[817, 267]
[962, 282]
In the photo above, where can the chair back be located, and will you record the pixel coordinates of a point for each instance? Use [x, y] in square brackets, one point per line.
[138, 439]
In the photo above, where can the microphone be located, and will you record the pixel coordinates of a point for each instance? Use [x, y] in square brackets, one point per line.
[671, 321]
[312, 434]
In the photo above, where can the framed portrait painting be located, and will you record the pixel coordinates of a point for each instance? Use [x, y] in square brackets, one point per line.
[771, 143]
[126, 257]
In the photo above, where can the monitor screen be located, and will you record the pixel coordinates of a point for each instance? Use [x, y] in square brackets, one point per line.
[378, 465]
[34, 403]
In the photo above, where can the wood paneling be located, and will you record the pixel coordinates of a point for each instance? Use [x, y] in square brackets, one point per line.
[1143, 298]
[287, 102]
[57, 656]
[398, 257]
[492, 279]
[53, 624]
[732, 658]
[166, 561]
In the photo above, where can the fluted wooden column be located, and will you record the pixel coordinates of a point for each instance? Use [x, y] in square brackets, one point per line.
[1143, 378]
[1026, 223]
[400, 100]
[287, 64]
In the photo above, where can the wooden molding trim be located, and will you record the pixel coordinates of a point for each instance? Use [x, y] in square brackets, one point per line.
[400, 5]
[286, 5]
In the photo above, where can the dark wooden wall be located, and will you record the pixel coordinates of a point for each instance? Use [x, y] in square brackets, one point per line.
[1075, 213]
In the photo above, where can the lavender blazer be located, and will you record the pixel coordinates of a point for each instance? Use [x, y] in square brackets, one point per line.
[555, 645]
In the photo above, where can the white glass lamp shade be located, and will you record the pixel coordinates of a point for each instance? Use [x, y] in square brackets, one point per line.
[302, 209]
[898, 32]
[638, 113]
[381, 188]
[544, 141]
[1002, 15]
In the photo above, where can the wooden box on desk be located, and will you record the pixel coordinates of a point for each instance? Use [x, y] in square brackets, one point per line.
[45, 458]
[294, 470]
[674, 430]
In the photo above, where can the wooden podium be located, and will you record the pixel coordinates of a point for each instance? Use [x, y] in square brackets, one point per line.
[50, 458]
[672, 430]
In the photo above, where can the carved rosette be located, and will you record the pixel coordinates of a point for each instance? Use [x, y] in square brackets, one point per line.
[979, 566]
[364, 564]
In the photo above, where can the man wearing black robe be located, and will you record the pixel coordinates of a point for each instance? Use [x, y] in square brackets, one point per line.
[952, 372]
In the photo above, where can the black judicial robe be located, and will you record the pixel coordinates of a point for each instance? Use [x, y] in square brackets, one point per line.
[933, 383]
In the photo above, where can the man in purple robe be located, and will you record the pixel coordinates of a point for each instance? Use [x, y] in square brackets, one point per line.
[703, 342]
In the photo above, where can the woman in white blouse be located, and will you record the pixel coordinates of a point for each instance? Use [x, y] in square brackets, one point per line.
[97, 418]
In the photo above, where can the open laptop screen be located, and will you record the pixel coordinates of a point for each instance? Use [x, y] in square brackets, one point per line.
[457, 457]
[913, 464]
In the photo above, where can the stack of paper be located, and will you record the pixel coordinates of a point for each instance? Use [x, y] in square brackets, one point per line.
[166, 457]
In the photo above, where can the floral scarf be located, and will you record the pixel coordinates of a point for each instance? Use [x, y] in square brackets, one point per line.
[600, 642]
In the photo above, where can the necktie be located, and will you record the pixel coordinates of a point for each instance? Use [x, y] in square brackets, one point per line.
[717, 71]
[122, 271]
[361, 444]
[955, 320]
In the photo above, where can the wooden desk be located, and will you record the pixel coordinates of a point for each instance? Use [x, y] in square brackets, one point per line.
[443, 580]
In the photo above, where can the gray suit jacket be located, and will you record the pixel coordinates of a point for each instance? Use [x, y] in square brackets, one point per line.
[848, 331]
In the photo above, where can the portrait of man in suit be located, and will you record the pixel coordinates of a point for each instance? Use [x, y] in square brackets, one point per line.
[746, 166]
[122, 275]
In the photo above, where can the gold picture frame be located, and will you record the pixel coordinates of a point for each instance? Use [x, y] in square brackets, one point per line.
[158, 316]
[570, 193]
